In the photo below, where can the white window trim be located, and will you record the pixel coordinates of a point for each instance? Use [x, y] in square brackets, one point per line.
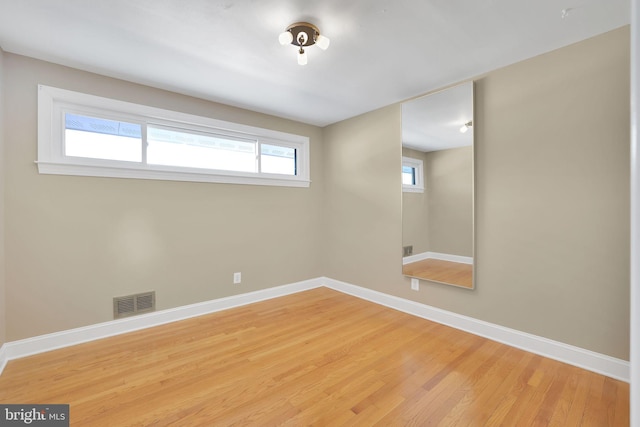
[54, 102]
[418, 166]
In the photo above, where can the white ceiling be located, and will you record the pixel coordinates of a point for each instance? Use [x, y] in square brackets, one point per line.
[382, 51]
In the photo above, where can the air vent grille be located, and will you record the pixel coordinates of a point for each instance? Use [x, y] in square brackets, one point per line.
[145, 302]
[125, 305]
[131, 305]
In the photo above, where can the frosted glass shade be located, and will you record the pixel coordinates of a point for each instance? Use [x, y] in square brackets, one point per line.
[285, 38]
[302, 58]
[322, 42]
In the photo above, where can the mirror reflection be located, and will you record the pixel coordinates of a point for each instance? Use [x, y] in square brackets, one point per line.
[437, 183]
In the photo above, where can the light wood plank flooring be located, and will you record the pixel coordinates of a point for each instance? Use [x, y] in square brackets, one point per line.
[436, 270]
[314, 358]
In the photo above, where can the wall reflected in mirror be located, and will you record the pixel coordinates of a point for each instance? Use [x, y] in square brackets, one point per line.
[437, 185]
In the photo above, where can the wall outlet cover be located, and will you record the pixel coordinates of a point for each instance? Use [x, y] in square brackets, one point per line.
[415, 284]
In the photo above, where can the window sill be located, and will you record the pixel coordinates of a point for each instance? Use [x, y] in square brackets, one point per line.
[413, 189]
[168, 174]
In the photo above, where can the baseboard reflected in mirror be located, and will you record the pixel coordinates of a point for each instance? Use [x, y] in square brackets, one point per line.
[441, 271]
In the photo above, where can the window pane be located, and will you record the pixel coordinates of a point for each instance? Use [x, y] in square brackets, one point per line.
[96, 138]
[277, 159]
[408, 175]
[176, 148]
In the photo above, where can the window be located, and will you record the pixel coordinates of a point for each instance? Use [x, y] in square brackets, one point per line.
[81, 134]
[171, 147]
[96, 138]
[412, 175]
[408, 175]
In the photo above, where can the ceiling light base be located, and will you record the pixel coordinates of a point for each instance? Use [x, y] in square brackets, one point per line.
[301, 35]
[304, 34]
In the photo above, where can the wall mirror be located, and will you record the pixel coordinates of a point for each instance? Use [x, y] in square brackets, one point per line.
[437, 185]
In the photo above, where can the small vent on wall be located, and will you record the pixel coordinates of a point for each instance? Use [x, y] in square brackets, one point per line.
[407, 251]
[134, 304]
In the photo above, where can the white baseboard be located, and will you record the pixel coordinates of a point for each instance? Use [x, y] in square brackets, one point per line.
[592, 361]
[39, 344]
[596, 362]
[452, 258]
[415, 258]
[437, 255]
[3, 357]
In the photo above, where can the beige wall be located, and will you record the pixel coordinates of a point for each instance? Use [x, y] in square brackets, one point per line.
[552, 208]
[2, 265]
[552, 199]
[73, 243]
[440, 219]
[363, 196]
[449, 178]
[415, 212]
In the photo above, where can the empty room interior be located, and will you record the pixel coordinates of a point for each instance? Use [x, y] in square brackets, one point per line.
[294, 213]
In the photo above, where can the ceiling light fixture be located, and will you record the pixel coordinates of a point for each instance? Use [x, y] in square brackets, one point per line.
[465, 127]
[303, 34]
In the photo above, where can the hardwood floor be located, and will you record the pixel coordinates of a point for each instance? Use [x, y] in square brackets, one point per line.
[314, 358]
[436, 270]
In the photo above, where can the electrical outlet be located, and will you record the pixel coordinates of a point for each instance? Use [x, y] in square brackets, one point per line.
[237, 278]
[415, 284]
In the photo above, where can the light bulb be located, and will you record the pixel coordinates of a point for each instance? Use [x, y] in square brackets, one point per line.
[285, 38]
[322, 42]
[464, 128]
[302, 57]
[302, 38]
